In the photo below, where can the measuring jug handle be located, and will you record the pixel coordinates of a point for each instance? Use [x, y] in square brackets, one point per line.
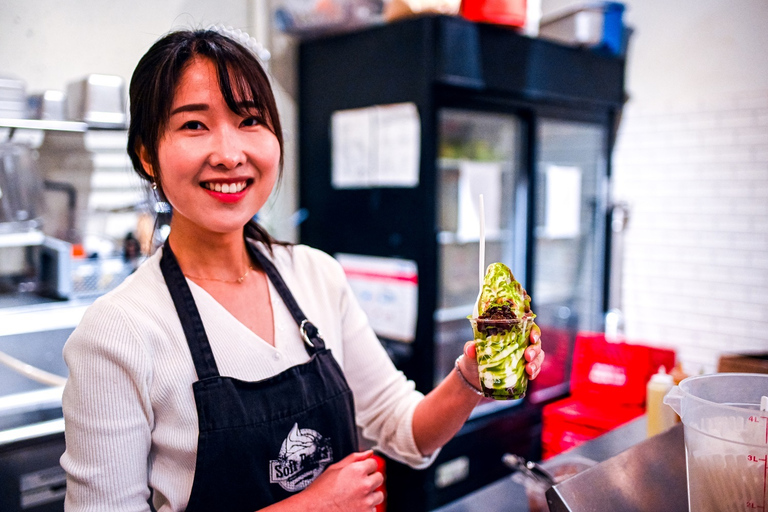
[674, 399]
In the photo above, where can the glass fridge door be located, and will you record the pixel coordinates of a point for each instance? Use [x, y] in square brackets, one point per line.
[479, 153]
[569, 242]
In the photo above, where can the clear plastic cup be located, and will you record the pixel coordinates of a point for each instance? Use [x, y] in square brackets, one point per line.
[500, 346]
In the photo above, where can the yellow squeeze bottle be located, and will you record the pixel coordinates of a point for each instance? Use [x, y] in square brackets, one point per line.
[659, 415]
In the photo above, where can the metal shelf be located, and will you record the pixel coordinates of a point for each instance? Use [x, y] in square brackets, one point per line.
[453, 164]
[35, 430]
[48, 316]
[451, 238]
[21, 239]
[40, 124]
[47, 398]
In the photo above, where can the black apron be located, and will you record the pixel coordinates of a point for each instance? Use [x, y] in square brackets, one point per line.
[260, 442]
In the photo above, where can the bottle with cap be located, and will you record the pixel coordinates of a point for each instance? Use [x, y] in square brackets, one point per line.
[660, 416]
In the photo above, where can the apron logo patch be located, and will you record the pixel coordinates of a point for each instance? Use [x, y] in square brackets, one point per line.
[303, 456]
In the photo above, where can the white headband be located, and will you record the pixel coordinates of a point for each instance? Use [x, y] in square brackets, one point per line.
[244, 39]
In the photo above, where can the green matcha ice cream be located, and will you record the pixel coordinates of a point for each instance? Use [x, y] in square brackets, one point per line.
[502, 333]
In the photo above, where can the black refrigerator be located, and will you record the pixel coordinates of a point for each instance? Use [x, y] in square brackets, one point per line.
[401, 128]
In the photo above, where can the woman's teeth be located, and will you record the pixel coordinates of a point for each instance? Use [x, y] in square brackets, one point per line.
[225, 188]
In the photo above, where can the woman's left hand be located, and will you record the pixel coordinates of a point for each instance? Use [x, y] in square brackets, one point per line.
[533, 354]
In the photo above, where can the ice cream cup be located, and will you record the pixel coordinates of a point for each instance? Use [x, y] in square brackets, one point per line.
[500, 346]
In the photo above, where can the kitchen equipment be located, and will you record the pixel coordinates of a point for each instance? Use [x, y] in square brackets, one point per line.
[311, 18]
[98, 100]
[19, 210]
[48, 106]
[20, 188]
[647, 477]
[20, 196]
[596, 25]
[31, 479]
[13, 97]
[537, 478]
[63, 276]
[31, 423]
[529, 469]
[726, 440]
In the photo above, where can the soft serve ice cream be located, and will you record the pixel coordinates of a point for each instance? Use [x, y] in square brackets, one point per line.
[502, 333]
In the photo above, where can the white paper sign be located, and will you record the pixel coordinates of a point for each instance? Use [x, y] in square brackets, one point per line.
[378, 146]
[351, 151]
[563, 202]
[387, 290]
[477, 178]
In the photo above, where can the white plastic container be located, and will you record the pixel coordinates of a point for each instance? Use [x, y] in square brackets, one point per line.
[726, 440]
[98, 100]
[592, 24]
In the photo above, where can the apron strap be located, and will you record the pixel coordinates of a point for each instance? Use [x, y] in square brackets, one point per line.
[202, 356]
[309, 333]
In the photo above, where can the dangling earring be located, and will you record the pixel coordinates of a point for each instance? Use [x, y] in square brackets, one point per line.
[154, 185]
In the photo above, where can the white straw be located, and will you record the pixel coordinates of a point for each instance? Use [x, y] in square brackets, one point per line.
[482, 241]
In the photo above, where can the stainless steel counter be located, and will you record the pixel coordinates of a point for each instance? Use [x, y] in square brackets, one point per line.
[32, 336]
[505, 495]
[647, 477]
[33, 331]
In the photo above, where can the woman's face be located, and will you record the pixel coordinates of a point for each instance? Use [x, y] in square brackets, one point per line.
[217, 168]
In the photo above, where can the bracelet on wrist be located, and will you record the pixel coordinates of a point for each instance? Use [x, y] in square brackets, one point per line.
[463, 379]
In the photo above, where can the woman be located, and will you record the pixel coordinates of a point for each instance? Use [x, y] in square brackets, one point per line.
[202, 382]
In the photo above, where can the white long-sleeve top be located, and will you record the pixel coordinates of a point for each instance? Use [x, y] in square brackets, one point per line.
[129, 408]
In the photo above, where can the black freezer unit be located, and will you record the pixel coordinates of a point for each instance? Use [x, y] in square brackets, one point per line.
[401, 126]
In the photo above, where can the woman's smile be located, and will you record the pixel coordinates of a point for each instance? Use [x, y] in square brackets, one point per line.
[226, 188]
[227, 191]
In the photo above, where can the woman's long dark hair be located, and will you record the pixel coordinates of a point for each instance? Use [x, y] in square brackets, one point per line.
[242, 81]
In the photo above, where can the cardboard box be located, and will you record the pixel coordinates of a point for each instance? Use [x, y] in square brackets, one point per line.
[743, 363]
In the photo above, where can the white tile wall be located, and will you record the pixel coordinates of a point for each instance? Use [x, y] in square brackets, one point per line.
[696, 248]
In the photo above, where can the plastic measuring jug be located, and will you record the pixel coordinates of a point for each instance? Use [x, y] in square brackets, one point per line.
[726, 440]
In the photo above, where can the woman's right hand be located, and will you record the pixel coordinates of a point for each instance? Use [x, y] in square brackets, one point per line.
[348, 486]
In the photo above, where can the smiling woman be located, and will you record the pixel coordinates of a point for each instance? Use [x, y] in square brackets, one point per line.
[202, 382]
[210, 158]
[182, 82]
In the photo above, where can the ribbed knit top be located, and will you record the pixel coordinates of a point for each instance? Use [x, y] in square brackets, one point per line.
[129, 410]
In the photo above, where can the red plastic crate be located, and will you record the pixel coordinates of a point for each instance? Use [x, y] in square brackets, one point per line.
[608, 385]
[614, 372]
[570, 422]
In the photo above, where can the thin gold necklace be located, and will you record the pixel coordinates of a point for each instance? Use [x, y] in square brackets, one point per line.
[239, 280]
